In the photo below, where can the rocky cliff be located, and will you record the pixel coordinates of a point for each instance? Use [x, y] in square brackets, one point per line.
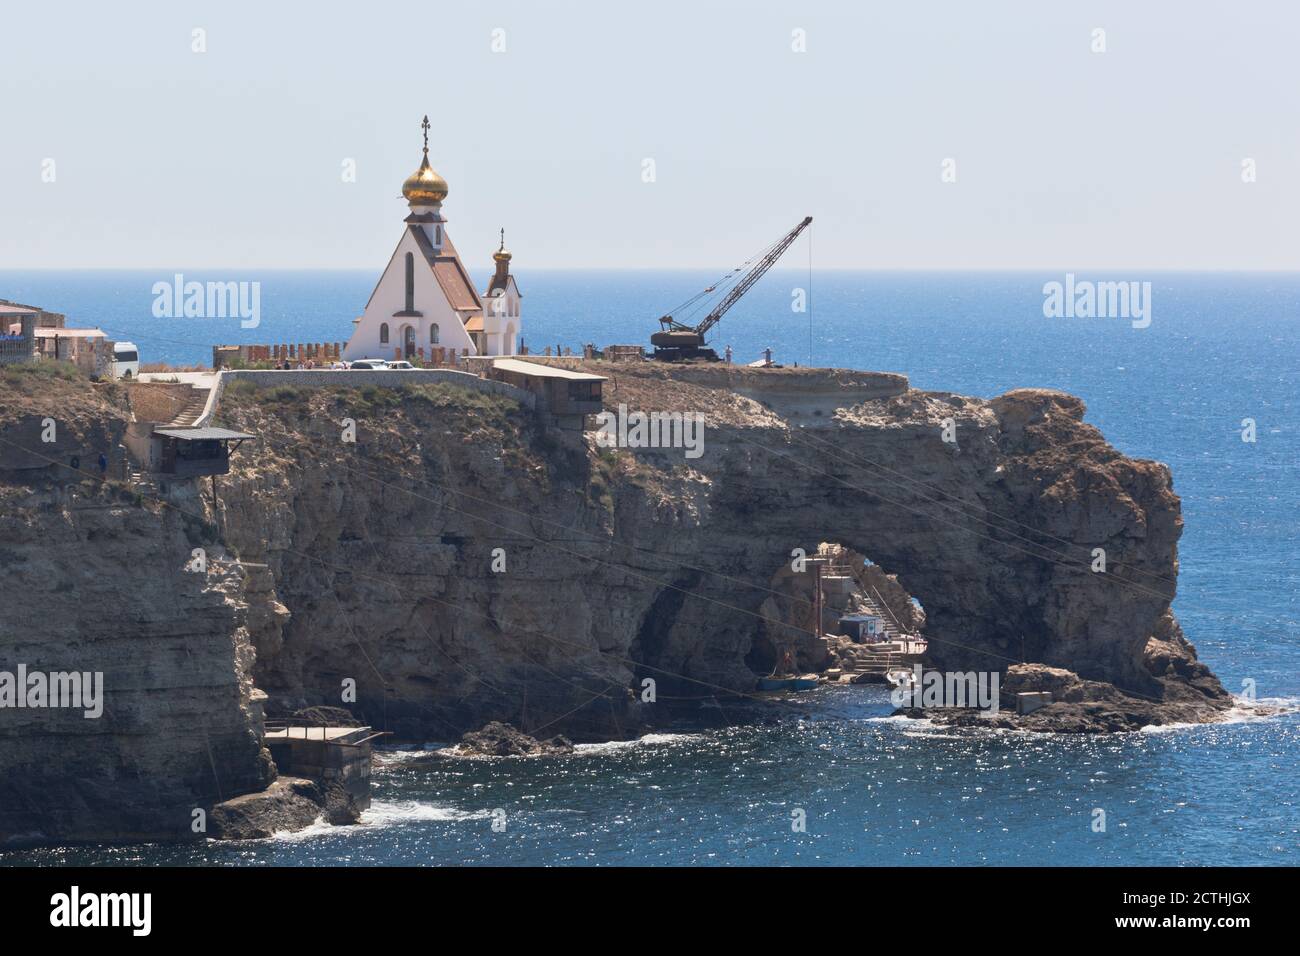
[458, 562]
[616, 565]
[94, 581]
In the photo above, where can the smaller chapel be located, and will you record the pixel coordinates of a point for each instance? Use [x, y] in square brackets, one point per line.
[425, 301]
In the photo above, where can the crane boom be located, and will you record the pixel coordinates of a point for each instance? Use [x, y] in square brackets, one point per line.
[678, 340]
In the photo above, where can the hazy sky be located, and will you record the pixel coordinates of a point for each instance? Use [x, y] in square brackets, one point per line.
[1065, 158]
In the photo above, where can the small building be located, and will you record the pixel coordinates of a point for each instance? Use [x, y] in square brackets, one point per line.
[862, 628]
[13, 312]
[89, 349]
[17, 337]
[569, 396]
[334, 755]
[193, 452]
[28, 332]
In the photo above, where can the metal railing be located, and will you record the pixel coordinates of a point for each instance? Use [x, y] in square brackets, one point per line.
[287, 724]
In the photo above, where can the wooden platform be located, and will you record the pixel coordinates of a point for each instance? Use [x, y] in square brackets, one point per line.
[340, 735]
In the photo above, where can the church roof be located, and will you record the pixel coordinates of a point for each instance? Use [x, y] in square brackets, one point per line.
[449, 272]
[498, 285]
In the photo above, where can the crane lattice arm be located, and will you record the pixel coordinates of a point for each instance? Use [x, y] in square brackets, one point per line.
[740, 288]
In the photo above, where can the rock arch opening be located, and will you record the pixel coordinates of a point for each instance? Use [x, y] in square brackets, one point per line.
[860, 602]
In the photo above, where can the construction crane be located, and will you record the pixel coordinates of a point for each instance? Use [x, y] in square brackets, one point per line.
[677, 341]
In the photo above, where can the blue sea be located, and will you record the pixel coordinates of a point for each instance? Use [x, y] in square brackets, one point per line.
[875, 790]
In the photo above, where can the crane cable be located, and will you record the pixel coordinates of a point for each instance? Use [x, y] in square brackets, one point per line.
[725, 280]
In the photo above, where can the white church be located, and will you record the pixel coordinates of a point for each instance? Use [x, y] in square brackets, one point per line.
[425, 301]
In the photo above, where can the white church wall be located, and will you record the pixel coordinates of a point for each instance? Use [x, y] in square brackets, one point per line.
[390, 297]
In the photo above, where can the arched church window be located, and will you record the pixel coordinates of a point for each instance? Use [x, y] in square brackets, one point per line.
[410, 283]
[433, 334]
[383, 333]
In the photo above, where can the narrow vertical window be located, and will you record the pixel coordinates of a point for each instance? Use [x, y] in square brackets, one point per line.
[383, 333]
[410, 283]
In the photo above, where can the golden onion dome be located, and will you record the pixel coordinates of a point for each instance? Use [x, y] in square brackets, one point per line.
[502, 254]
[424, 186]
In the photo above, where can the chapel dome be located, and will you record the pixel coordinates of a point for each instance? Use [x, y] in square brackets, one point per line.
[424, 186]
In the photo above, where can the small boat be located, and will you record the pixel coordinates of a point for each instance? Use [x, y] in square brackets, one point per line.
[900, 677]
[804, 682]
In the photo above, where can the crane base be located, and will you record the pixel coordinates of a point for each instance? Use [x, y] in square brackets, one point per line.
[687, 354]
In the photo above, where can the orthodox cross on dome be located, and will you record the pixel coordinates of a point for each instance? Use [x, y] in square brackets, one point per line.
[503, 237]
[424, 187]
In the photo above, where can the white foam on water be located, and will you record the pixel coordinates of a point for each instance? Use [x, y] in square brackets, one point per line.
[647, 740]
[387, 813]
[319, 827]
[902, 720]
[1242, 712]
[395, 758]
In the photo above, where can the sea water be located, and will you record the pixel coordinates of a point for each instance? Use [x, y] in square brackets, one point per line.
[872, 789]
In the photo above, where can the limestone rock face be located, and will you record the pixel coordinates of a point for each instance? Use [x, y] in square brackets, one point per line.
[459, 564]
[621, 565]
[94, 582]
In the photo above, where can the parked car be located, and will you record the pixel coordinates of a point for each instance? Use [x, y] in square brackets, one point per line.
[400, 366]
[370, 365]
[126, 360]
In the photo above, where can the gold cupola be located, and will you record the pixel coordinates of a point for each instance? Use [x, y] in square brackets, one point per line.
[425, 187]
[502, 254]
[502, 258]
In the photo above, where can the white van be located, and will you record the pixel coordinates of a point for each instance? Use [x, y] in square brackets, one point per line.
[126, 360]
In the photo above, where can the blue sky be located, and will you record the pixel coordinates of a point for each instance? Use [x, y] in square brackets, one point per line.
[1065, 158]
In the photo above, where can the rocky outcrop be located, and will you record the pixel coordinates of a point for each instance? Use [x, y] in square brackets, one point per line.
[626, 565]
[501, 740]
[288, 804]
[458, 564]
[1188, 694]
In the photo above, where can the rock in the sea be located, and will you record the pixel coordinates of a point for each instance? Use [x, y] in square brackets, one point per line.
[1185, 692]
[501, 740]
[290, 803]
